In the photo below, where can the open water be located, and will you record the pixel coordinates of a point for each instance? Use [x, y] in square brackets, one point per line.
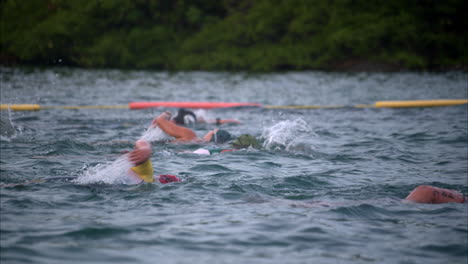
[326, 186]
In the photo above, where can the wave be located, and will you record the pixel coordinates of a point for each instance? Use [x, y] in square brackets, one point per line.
[154, 134]
[7, 128]
[289, 135]
[110, 173]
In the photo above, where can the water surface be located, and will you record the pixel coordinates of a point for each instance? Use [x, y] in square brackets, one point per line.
[326, 186]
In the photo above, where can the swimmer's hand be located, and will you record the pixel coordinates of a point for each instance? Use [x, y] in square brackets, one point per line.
[209, 135]
[141, 153]
[165, 115]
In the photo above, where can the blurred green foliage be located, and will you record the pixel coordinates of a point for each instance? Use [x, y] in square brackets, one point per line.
[251, 35]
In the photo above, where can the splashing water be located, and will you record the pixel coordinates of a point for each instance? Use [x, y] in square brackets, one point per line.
[110, 173]
[285, 135]
[7, 129]
[154, 134]
[202, 114]
[117, 172]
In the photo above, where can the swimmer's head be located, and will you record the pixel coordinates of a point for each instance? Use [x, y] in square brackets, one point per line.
[185, 117]
[168, 178]
[245, 141]
[220, 136]
[144, 171]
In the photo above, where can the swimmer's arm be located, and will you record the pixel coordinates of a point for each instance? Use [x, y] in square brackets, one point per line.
[141, 153]
[209, 135]
[219, 121]
[179, 132]
[227, 121]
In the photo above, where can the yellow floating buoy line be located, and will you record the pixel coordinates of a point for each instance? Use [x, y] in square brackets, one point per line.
[420, 103]
[380, 104]
[87, 107]
[211, 105]
[20, 107]
[36, 107]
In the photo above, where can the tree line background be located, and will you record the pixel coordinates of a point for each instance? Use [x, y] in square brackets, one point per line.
[248, 35]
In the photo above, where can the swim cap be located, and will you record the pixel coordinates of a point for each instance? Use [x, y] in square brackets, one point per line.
[221, 136]
[202, 151]
[168, 178]
[144, 171]
[244, 141]
[185, 117]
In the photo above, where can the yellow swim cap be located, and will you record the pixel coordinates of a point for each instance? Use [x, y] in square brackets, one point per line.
[144, 171]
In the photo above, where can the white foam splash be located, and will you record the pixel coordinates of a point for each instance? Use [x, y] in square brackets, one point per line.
[285, 134]
[7, 128]
[116, 172]
[201, 114]
[5, 138]
[110, 173]
[154, 134]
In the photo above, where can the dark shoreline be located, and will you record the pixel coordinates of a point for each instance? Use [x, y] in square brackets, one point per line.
[351, 65]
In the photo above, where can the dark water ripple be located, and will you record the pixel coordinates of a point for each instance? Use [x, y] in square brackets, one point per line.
[328, 188]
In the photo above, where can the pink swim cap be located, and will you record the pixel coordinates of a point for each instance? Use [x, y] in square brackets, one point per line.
[166, 178]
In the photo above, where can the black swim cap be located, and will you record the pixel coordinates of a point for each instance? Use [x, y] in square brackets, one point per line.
[245, 141]
[221, 136]
[185, 117]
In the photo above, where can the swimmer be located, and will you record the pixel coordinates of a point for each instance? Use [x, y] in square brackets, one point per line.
[141, 172]
[421, 194]
[143, 169]
[187, 117]
[243, 141]
[434, 195]
[183, 134]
